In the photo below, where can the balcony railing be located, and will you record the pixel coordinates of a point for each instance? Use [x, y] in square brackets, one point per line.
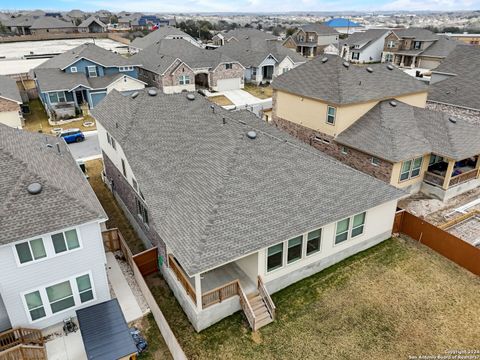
[464, 177]
[182, 278]
[434, 179]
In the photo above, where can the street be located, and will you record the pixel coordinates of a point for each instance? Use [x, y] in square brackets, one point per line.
[88, 149]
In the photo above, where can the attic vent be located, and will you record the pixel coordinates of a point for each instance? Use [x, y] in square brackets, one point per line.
[390, 67]
[134, 95]
[369, 69]
[190, 96]
[152, 92]
[324, 60]
[34, 188]
[393, 103]
[251, 135]
[452, 120]
[346, 64]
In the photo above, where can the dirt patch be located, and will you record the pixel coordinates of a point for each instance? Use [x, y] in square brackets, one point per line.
[261, 92]
[220, 100]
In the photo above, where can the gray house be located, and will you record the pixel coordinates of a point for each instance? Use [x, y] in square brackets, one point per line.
[364, 46]
[92, 25]
[237, 208]
[164, 32]
[51, 248]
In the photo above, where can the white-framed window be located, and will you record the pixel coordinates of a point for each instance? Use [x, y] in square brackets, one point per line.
[60, 296]
[294, 249]
[344, 150]
[355, 55]
[57, 97]
[31, 250]
[434, 159]
[417, 45]
[111, 141]
[331, 113]
[125, 68]
[65, 241]
[284, 70]
[73, 69]
[275, 257]
[389, 57]
[124, 168]
[184, 80]
[92, 71]
[375, 161]
[411, 168]
[142, 211]
[391, 44]
[229, 66]
[314, 239]
[349, 228]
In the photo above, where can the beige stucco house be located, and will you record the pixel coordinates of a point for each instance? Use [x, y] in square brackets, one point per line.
[10, 101]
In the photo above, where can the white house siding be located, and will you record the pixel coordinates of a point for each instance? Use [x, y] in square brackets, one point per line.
[126, 84]
[11, 118]
[175, 89]
[17, 280]
[285, 65]
[4, 319]
[327, 39]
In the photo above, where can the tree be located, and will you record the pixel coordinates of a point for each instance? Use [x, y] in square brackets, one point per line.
[291, 31]
[247, 25]
[114, 19]
[259, 27]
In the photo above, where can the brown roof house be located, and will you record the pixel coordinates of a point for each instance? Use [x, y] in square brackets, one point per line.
[10, 101]
[373, 118]
[311, 39]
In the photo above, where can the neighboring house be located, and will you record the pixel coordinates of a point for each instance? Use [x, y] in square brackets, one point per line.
[416, 48]
[311, 39]
[344, 26]
[51, 247]
[20, 24]
[263, 59]
[226, 197]
[128, 21]
[455, 84]
[223, 38]
[469, 39]
[83, 76]
[364, 46]
[354, 120]
[10, 101]
[47, 24]
[177, 65]
[165, 32]
[92, 25]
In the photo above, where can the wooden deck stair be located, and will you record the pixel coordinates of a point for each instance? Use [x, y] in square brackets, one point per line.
[262, 315]
[22, 344]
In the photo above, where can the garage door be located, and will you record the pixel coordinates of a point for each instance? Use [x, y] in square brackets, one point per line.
[228, 84]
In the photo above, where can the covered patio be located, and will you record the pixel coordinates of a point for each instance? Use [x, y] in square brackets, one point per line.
[446, 173]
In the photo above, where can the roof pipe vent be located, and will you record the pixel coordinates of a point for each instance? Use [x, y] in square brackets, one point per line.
[152, 92]
[324, 60]
[251, 134]
[58, 149]
[213, 108]
[191, 96]
[390, 67]
[134, 95]
[224, 121]
[393, 103]
[346, 64]
[452, 120]
[34, 188]
[369, 69]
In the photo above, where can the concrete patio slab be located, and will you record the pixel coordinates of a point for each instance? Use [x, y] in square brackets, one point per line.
[66, 347]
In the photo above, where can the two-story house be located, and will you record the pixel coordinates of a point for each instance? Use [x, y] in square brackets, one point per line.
[10, 101]
[51, 247]
[263, 59]
[311, 39]
[416, 48]
[372, 118]
[223, 38]
[162, 33]
[237, 208]
[175, 65]
[82, 77]
[364, 46]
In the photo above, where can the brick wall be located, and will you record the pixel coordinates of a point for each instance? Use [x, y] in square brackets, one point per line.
[7, 105]
[472, 116]
[172, 79]
[221, 73]
[356, 159]
[150, 78]
[127, 194]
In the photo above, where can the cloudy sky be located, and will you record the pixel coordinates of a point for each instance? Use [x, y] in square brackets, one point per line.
[243, 5]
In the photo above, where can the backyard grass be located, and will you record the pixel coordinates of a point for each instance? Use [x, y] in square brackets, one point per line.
[395, 300]
[157, 349]
[261, 92]
[220, 100]
[37, 120]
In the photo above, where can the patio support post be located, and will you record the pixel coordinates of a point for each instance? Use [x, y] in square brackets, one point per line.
[448, 174]
[478, 166]
[198, 291]
[402, 62]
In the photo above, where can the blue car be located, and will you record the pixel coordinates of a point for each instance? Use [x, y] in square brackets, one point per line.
[72, 135]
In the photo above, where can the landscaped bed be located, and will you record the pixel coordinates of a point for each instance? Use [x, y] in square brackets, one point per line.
[261, 92]
[389, 302]
[220, 100]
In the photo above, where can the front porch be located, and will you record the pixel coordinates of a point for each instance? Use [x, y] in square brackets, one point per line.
[446, 178]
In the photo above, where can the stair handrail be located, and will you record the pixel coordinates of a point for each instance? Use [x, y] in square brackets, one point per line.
[262, 290]
[247, 308]
[19, 335]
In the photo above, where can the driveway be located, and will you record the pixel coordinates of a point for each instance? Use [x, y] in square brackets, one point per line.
[88, 149]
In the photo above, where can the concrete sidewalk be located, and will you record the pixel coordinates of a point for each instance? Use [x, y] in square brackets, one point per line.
[68, 347]
[130, 308]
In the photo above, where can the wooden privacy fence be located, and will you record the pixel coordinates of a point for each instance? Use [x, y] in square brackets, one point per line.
[444, 243]
[147, 261]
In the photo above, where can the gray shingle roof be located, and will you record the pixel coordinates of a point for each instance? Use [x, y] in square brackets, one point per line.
[49, 22]
[332, 82]
[320, 29]
[401, 132]
[66, 198]
[246, 33]
[441, 48]
[364, 38]
[159, 56]
[89, 51]
[462, 88]
[91, 19]
[418, 34]
[157, 35]
[215, 195]
[251, 52]
[9, 89]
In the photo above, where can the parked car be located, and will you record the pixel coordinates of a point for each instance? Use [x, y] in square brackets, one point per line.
[72, 135]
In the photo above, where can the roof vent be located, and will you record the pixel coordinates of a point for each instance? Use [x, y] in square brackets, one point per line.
[346, 64]
[452, 120]
[152, 92]
[134, 95]
[369, 69]
[393, 103]
[34, 188]
[324, 60]
[390, 67]
[191, 96]
[251, 134]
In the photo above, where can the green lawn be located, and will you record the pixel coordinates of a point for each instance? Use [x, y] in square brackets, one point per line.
[261, 92]
[394, 300]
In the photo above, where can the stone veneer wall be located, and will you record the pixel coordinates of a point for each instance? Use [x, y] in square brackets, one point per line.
[221, 73]
[472, 116]
[128, 196]
[150, 78]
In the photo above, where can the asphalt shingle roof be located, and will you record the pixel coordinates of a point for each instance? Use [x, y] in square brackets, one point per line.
[214, 194]
[462, 88]
[66, 198]
[364, 38]
[418, 34]
[320, 29]
[441, 48]
[49, 22]
[246, 33]
[333, 82]
[9, 89]
[91, 19]
[157, 35]
[401, 132]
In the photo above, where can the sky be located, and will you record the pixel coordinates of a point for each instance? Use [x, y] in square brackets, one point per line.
[254, 6]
